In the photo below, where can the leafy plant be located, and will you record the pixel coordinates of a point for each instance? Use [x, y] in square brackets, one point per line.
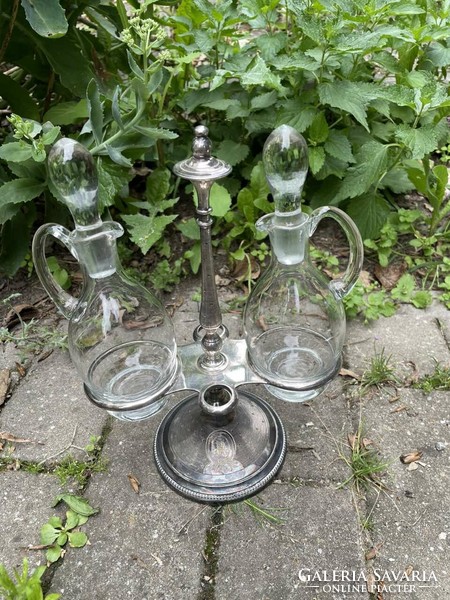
[26, 586]
[371, 105]
[55, 534]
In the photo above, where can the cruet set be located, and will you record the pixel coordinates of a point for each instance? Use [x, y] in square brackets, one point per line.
[221, 442]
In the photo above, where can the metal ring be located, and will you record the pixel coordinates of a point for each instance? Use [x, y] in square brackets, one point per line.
[218, 399]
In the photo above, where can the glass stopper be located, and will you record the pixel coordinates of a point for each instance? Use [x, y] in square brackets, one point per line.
[285, 160]
[73, 173]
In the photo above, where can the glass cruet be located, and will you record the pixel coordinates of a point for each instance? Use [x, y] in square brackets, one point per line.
[120, 338]
[294, 319]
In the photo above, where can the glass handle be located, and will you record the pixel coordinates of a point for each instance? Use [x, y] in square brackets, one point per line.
[342, 286]
[64, 301]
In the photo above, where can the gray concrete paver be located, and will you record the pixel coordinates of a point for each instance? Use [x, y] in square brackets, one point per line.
[411, 335]
[46, 407]
[143, 546]
[262, 562]
[25, 505]
[411, 520]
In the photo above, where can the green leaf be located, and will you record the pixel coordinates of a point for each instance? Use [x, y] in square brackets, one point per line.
[348, 96]
[194, 256]
[15, 247]
[122, 12]
[294, 113]
[422, 299]
[49, 534]
[50, 134]
[370, 213]
[111, 180]
[147, 230]
[158, 185]
[46, 17]
[404, 288]
[95, 109]
[316, 156]
[15, 151]
[53, 554]
[115, 107]
[18, 191]
[62, 538]
[77, 504]
[68, 61]
[338, 145]
[116, 156]
[18, 98]
[220, 200]
[318, 130]
[260, 74]
[77, 539]
[232, 152]
[55, 522]
[67, 113]
[72, 519]
[371, 163]
[189, 229]
[264, 100]
[134, 66]
[420, 141]
[156, 133]
[438, 54]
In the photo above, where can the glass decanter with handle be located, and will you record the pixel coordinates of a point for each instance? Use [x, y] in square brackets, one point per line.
[120, 338]
[294, 319]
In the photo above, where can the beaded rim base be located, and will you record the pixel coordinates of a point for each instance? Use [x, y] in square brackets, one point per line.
[222, 493]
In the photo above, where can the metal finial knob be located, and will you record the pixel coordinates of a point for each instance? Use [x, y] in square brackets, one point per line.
[201, 166]
[201, 146]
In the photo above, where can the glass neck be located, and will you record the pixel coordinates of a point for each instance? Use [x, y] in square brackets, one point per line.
[97, 249]
[289, 238]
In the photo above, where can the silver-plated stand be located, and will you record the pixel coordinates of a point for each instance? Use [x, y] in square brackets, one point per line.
[221, 443]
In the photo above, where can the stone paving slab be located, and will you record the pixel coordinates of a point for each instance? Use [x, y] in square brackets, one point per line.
[411, 522]
[145, 546]
[412, 335]
[316, 432]
[263, 562]
[46, 407]
[25, 505]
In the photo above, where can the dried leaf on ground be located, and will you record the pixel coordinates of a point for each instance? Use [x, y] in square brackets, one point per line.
[134, 482]
[4, 384]
[365, 278]
[261, 322]
[21, 369]
[399, 408]
[242, 268]
[18, 313]
[410, 457]
[372, 553]
[9, 437]
[348, 373]
[389, 276]
[351, 437]
[415, 375]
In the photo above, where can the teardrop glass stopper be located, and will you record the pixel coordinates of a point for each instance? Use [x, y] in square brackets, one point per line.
[74, 175]
[285, 160]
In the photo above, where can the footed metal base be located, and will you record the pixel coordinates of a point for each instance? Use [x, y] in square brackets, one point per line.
[220, 458]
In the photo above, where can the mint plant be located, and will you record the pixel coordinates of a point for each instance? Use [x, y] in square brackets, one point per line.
[363, 80]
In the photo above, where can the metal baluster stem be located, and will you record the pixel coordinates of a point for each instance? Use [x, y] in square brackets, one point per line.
[202, 170]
